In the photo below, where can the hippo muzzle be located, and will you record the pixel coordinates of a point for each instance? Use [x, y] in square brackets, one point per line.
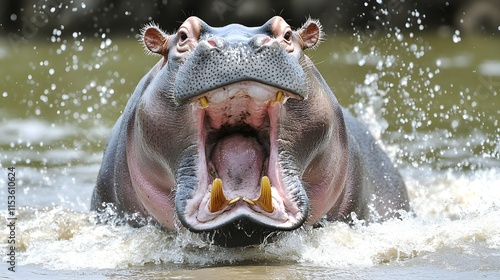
[218, 62]
[235, 133]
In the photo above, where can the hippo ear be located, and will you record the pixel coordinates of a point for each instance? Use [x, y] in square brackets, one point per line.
[310, 34]
[154, 39]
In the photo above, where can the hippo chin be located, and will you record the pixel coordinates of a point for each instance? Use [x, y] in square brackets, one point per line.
[235, 133]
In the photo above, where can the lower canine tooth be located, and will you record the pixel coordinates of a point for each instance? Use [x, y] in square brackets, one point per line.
[217, 197]
[265, 200]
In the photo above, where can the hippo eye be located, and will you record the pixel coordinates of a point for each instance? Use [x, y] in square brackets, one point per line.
[183, 36]
[288, 35]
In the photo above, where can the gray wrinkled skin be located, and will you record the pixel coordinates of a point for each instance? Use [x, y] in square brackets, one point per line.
[327, 162]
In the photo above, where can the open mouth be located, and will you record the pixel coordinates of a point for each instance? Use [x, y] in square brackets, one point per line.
[239, 173]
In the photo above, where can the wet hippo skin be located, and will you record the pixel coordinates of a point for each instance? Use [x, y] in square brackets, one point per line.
[235, 134]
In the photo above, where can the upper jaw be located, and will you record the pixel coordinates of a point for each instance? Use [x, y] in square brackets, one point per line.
[207, 68]
[241, 120]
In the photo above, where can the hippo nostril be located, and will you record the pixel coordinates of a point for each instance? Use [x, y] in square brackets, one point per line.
[215, 42]
[266, 40]
[212, 43]
[259, 41]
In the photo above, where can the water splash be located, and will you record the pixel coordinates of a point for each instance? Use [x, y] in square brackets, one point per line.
[452, 173]
[460, 214]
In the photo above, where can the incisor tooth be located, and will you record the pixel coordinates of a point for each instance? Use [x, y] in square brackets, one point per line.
[234, 200]
[203, 102]
[217, 197]
[265, 200]
[249, 201]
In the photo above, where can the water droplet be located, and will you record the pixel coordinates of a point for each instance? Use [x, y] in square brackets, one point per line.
[456, 36]
[362, 61]
[13, 17]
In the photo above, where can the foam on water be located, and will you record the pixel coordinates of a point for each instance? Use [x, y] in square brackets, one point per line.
[454, 212]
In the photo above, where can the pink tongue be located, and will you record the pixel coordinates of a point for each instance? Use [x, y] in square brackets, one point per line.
[238, 160]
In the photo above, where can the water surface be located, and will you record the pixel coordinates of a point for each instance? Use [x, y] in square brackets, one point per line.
[433, 101]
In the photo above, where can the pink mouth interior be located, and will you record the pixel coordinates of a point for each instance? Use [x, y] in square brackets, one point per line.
[238, 160]
[238, 144]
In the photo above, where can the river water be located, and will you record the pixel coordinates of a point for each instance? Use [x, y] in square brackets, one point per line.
[432, 100]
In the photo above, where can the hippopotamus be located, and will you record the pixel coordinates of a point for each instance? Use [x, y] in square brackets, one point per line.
[234, 134]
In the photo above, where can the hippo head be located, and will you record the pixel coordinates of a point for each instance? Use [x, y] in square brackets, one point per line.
[238, 122]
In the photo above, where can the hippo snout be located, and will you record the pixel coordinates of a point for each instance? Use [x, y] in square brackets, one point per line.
[217, 62]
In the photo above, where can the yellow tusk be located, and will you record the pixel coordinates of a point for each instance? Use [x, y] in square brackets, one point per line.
[217, 197]
[203, 102]
[265, 200]
[279, 96]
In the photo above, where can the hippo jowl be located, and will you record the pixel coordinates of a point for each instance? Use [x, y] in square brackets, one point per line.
[235, 133]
